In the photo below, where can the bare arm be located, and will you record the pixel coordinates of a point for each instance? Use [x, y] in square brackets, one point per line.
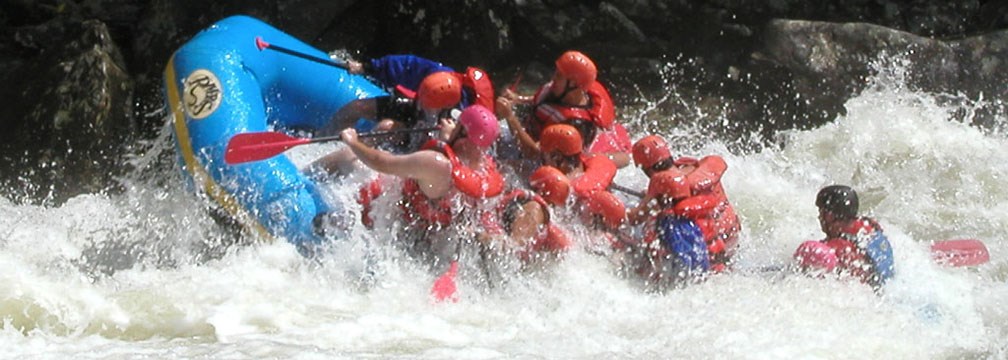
[431, 169]
[516, 97]
[641, 212]
[528, 145]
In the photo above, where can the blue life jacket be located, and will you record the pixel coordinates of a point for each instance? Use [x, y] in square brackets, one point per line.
[684, 240]
[880, 254]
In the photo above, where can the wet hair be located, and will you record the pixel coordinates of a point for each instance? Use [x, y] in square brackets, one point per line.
[840, 200]
[399, 108]
[569, 161]
[510, 214]
[587, 129]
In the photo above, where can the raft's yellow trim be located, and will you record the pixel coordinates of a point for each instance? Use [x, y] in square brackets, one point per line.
[196, 170]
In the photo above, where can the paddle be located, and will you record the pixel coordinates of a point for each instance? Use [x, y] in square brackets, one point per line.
[960, 252]
[953, 253]
[444, 286]
[262, 45]
[627, 190]
[254, 146]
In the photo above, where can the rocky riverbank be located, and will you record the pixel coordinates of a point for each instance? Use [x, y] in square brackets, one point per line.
[83, 77]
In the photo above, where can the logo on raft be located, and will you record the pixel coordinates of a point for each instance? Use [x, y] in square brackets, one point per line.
[201, 94]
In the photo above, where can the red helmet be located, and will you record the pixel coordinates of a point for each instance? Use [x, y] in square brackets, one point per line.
[577, 67]
[551, 184]
[480, 124]
[440, 90]
[561, 137]
[608, 206]
[650, 150]
[671, 183]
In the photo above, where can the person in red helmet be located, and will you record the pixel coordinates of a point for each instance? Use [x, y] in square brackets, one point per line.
[604, 214]
[854, 245]
[522, 225]
[560, 149]
[573, 97]
[570, 179]
[714, 213]
[652, 154]
[422, 92]
[406, 77]
[673, 249]
[550, 183]
[442, 180]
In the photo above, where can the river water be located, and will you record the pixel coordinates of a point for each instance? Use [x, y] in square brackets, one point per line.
[149, 274]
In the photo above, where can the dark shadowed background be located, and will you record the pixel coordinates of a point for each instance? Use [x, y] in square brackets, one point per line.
[82, 78]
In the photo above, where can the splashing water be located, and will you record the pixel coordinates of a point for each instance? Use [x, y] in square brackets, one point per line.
[155, 276]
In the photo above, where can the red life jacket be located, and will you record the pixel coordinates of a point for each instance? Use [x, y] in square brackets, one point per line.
[598, 174]
[367, 193]
[852, 258]
[599, 110]
[705, 211]
[616, 139]
[849, 259]
[478, 83]
[475, 81]
[477, 184]
[709, 206]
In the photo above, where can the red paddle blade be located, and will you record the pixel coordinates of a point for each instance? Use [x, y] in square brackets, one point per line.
[964, 252]
[255, 146]
[444, 287]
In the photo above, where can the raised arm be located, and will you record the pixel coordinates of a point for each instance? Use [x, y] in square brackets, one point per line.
[528, 145]
[430, 169]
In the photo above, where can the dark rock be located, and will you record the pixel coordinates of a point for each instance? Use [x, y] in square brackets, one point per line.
[733, 69]
[457, 33]
[69, 117]
[830, 62]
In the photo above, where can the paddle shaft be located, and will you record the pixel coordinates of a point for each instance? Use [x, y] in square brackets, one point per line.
[246, 147]
[264, 45]
[954, 253]
[627, 190]
[374, 134]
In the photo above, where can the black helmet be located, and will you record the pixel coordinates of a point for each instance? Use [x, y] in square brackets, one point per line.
[840, 200]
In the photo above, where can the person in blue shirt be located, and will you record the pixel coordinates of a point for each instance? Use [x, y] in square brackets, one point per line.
[401, 76]
[422, 93]
[854, 245]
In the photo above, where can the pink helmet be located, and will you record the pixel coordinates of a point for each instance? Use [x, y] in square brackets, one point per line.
[480, 125]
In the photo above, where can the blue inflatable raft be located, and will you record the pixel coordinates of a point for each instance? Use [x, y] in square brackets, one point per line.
[220, 84]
